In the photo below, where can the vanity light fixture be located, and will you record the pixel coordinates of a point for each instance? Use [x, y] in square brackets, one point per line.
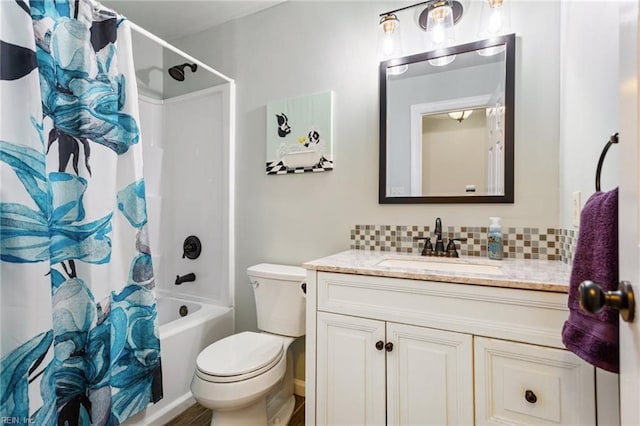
[460, 115]
[494, 18]
[494, 21]
[440, 25]
[437, 19]
[390, 43]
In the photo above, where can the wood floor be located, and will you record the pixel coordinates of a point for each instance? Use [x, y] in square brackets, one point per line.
[197, 415]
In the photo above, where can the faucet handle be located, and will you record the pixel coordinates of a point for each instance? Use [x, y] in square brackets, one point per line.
[438, 229]
[451, 247]
[427, 248]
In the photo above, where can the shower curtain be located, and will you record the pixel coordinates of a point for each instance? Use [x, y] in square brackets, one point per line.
[79, 338]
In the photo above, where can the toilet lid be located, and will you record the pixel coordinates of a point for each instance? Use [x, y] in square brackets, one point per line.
[240, 355]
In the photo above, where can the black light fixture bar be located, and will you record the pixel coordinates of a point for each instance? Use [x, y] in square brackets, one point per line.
[406, 7]
[422, 21]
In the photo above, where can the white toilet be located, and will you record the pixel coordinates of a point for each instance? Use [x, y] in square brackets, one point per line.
[247, 378]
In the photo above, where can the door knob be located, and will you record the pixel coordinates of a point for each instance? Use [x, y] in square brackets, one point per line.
[388, 347]
[379, 345]
[593, 299]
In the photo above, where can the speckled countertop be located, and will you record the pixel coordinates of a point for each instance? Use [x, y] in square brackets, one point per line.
[541, 275]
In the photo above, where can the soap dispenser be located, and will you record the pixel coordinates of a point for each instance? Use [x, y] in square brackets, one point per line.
[494, 239]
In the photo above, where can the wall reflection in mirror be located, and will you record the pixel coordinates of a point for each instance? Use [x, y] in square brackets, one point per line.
[446, 125]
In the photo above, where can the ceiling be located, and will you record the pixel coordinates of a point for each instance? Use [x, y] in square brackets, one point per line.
[171, 20]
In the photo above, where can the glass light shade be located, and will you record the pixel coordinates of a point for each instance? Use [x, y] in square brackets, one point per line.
[397, 70]
[440, 33]
[495, 18]
[390, 45]
[460, 115]
[440, 25]
[442, 61]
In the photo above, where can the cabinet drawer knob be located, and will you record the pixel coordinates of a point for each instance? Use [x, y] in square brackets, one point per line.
[379, 345]
[530, 396]
[388, 347]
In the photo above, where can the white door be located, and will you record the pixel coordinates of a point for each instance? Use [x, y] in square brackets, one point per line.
[429, 376]
[350, 382]
[629, 213]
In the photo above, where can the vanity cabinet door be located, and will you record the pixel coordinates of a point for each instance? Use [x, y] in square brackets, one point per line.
[350, 382]
[517, 383]
[429, 376]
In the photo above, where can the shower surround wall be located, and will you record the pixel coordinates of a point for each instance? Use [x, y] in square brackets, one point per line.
[186, 170]
[187, 155]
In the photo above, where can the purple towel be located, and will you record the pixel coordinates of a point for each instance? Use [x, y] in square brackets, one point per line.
[594, 337]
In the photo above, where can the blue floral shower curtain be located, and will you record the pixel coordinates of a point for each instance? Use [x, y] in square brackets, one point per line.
[79, 338]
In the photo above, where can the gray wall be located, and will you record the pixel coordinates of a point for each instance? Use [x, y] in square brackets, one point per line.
[589, 100]
[299, 48]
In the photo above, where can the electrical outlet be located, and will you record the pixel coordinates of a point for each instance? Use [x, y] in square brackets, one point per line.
[576, 208]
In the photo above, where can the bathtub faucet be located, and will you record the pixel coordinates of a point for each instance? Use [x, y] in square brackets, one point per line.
[185, 278]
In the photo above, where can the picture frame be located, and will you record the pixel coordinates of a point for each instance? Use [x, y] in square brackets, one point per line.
[300, 135]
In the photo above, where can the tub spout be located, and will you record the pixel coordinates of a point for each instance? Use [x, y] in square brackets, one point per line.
[185, 278]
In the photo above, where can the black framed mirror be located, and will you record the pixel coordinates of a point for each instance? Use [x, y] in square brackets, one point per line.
[447, 125]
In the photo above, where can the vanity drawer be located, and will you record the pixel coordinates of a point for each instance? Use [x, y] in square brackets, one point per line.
[514, 314]
[517, 383]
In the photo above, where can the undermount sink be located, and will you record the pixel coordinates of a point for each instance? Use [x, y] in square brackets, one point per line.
[433, 264]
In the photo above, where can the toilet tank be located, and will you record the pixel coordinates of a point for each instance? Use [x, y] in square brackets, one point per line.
[280, 299]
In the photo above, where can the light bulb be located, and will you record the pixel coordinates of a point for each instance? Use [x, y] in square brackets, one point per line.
[495, 20]
[387, 45]
[440, 25]
[390, 43]
[438, 34]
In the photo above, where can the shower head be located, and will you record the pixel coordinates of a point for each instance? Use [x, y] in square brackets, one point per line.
[177, 71]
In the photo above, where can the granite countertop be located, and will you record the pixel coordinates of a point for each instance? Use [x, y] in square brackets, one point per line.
[541, 275]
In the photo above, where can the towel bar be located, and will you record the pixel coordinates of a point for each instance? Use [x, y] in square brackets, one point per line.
[613, 139]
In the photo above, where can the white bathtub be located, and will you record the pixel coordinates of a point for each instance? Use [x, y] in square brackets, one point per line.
[181, 339]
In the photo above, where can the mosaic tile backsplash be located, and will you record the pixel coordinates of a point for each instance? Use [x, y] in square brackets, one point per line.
[521, 243]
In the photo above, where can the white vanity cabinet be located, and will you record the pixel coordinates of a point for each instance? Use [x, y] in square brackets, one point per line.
[374, 370]
[399, 351]
[351, 386]
[526, 384]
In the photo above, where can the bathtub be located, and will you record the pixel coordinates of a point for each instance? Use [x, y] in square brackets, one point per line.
[294, 158]
[186, 327]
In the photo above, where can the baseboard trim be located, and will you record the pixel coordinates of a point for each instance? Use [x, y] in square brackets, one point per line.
[298, 387]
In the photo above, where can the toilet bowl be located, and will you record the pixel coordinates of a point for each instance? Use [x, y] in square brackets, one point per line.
[247, 378]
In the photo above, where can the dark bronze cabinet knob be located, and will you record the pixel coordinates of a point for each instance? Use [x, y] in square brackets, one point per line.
[593, 299]
[530, 396]
[379, 345]
[388, 347]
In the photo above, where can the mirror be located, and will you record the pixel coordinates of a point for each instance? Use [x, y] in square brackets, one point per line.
[446, 125]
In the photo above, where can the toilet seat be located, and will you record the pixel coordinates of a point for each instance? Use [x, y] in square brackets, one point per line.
[239, 357]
